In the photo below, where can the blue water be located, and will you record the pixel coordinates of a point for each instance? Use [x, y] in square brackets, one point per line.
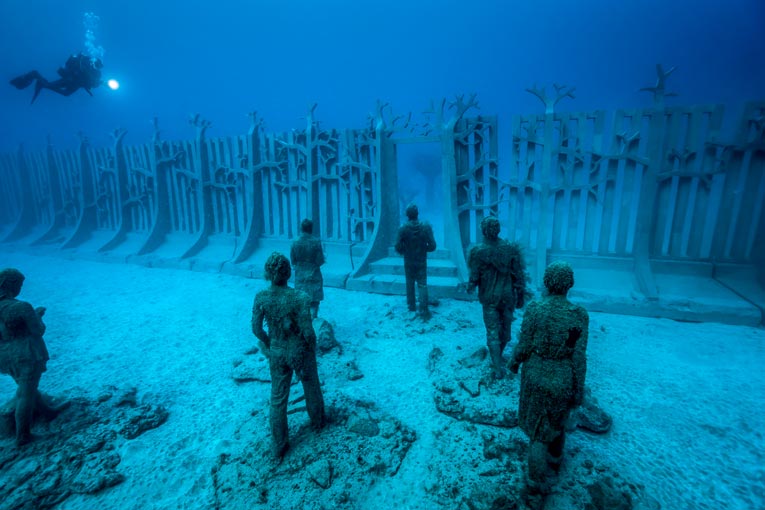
[174, 58]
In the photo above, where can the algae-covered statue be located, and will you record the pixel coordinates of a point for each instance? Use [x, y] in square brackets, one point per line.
[289, 345]
[307, 257]
[498, 269]
[414, 241]
[552, 350]
[23, 354]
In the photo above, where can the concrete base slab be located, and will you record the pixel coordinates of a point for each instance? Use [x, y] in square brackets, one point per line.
[701, 292]
[682, 297]
[438, 286]
[395, 266]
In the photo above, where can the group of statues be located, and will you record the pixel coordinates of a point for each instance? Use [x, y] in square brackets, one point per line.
[553, 343]
[550, 352]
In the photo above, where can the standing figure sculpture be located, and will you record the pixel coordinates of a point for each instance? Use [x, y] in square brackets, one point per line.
[307, 257]
[289, 345]
[552, 350]
[23, 354]
[414, 241]
[498, 270]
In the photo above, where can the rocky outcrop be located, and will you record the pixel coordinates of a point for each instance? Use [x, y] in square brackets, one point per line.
[325, 469]
[75, 453]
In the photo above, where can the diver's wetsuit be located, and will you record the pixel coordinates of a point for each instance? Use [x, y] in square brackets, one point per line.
[79, 72]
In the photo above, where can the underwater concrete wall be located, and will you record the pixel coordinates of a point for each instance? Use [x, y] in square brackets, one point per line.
[636, 194]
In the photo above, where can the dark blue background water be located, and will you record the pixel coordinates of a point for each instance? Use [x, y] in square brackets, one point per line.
[226, 58]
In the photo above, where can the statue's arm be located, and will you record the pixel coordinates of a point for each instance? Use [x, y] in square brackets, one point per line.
[580, 360]
[257, 326]
[320, 258]
[33, 319]
[525, 345]
[399, 246]
[431, 240]
[305, 322]
[474, 278]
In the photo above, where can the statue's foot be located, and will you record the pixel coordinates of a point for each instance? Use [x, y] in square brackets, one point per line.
[279, 452]
[47, 414]
[24, 439]
[47, 410]
[531, 498]
[318, 425]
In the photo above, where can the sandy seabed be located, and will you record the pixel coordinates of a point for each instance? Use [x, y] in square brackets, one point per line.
[687, 400]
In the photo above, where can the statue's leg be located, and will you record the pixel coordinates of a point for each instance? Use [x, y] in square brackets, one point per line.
[537, 464]
[314, 400]
[491, 319]
[555, 451]
[422, 286]
[281, 376]
[27, 379]
[411, 303]
[506, 323]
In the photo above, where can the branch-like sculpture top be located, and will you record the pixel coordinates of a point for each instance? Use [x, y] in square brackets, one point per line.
[461, 108]
[659, 90]
[377, 119]
[561, 91]
[155, 126]
[759, 129]
[118, 135]
[201, 124]
[459, 105]
[378, 122]
[255, 121]
[309, 117]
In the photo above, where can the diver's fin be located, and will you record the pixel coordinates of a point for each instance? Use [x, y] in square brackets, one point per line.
[38, 87]
[23, 81]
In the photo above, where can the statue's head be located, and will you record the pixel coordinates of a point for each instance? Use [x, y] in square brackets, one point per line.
[490, 227]
[306, 226]
[11, 281]
[559, 278]
[412, 212]
[278, 270]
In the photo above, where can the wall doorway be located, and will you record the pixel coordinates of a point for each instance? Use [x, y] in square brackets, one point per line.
[420, 181]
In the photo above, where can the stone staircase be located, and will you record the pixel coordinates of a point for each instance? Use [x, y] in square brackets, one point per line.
[387, 276]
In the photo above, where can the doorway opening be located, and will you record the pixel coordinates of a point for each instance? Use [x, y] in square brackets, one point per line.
[420, 181]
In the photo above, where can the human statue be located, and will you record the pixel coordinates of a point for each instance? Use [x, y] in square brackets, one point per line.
[552, 350]
[498, 269]
[289, 345]
[307, 257]
[414, 241]
[80, 71]
[23, 354]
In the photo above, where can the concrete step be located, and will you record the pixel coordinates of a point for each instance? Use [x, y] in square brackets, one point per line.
[438, 286]
[395, 266]
[682, 297]
[438, 254]
[359, 250]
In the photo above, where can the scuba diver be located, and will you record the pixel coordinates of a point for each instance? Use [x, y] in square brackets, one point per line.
[81, 71]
